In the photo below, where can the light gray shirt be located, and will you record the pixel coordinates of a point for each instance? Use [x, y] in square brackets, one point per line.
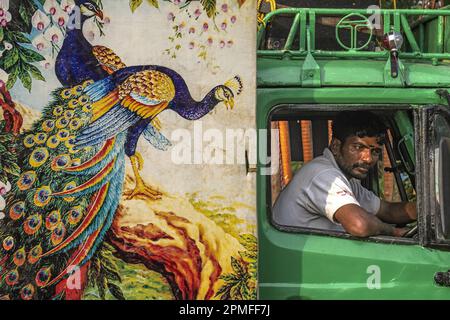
[317, 191]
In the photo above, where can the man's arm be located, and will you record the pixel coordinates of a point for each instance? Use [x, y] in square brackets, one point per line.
[397, 212]
[356, 221]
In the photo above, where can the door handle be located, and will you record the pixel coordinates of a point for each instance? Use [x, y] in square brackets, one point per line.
[442, 278]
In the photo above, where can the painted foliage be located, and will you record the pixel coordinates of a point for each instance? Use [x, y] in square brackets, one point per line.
[116, 175]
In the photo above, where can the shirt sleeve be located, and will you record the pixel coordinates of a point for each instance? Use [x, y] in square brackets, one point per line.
[369, 201]
[328, 192]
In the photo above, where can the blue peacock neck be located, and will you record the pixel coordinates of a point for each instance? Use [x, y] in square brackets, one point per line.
[182, 103]
[188, 108]
[75, 62]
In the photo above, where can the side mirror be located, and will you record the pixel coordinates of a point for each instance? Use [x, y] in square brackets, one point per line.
[444, 185]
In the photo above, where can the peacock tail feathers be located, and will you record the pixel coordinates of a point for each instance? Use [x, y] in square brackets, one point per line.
[62, 203]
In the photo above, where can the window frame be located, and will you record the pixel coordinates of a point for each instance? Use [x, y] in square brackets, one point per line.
[436, 238]
[318, 108]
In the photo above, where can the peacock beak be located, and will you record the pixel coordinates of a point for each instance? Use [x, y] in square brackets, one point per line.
[230, 103]
[99, 14]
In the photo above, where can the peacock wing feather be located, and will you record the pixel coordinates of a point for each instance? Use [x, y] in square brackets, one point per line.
[109, 61]
[117, 107]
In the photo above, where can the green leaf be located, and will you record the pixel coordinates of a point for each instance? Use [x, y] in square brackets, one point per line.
[101, 286]
[116, 291]
[19, 37]
[153, 3]
[30, 55]
[24, 14]
[25, 78]
[34, 71]
[237, 267]
[2, 34]
[13, 169]
[11, 58]
[134, 4]
[209, 6]
[12, 77]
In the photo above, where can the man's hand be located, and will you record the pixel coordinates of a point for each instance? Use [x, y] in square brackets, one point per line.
[397, 212]
[400, 232]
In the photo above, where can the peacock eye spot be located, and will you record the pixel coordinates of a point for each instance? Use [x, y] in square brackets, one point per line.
[39, 156]
[33, 223]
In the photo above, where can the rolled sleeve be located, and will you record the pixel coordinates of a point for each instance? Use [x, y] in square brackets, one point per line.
[328, 192]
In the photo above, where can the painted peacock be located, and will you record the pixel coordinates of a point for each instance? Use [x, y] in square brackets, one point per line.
[73, 167]
[79, 61]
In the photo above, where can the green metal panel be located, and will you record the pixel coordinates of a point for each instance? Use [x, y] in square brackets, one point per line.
[279, 73]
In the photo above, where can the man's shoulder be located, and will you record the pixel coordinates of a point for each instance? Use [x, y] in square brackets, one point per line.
[319, 167]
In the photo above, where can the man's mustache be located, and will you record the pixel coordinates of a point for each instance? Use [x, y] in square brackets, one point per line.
[361, 165]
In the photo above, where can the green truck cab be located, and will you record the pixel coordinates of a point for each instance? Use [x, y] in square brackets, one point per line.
[300, 88]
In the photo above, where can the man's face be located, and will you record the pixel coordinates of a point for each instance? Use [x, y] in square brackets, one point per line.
[356, 155]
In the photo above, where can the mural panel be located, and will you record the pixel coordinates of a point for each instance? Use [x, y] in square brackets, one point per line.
[127, 127]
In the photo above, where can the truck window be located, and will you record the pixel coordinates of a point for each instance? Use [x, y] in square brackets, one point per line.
[442, 156]
[303, 136]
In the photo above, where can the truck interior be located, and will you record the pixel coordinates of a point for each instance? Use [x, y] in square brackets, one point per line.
[304, 134]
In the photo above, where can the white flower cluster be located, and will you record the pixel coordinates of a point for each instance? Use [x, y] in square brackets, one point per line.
[5, 15]
[50, 24]
[5, 18]
[4, 189]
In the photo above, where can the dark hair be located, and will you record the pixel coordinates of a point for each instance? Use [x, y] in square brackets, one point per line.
[358, 123]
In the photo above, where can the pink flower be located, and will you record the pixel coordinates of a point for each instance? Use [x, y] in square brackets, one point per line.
[51, 6]
[224, 7]
[67, 5]
[40, 43]
[191, 45]
[223, 26]
[230, 43]
[222, 44]
[191, 30]
[210, 41]
[40, 20]
[61, 17]
[205, 26]
[233, 19]
[197, 13]
[171, 16]
[47, 63]
[54, 35]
